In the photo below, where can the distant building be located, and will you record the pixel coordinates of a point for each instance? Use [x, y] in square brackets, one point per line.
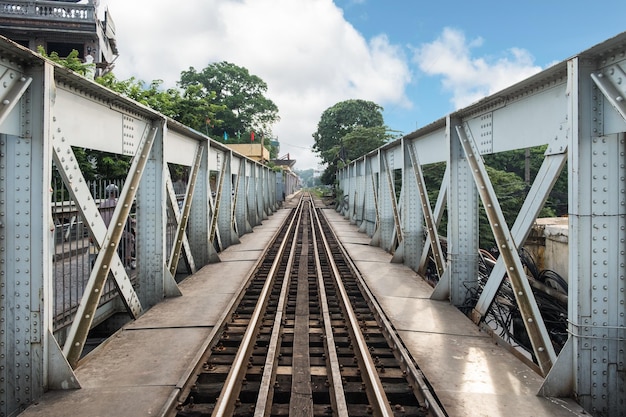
[61, 26]
[285, 162]
[253, 150]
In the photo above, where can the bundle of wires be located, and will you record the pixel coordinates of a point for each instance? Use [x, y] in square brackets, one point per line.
[504, 316]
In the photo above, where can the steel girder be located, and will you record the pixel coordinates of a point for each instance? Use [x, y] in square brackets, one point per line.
[416, 211]
[39, 130]
[182, 217]
[240, 208]
[31, 360]
[577, 109]
[535, 327]
[462, 222]
[592, 363]
[155, 280]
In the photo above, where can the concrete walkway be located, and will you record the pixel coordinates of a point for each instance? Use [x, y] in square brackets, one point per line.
[472, 376]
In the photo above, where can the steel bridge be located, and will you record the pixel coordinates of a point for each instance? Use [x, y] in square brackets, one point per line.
[575, 109]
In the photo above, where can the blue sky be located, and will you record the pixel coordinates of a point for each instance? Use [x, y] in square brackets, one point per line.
[549, 31]
[420, 60]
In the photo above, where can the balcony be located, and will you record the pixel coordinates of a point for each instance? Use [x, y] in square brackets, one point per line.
[51, 16]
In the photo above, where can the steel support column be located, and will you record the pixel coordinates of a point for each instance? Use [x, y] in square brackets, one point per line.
[241, 201]
[386, 200]
[592, 363]
[31, 360]
[359, 193]
[251, 187]
[200, 215]
[155, 280]
[462, 222]
[180, 239]
[370, 210]
[423, 210]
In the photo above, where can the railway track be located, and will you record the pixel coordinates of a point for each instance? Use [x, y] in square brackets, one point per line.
[306, 338]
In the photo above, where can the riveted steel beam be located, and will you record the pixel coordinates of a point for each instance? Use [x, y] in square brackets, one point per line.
[225, 199]
[11, 94]
[216, 212]
[234, 226]
[431, 224]
[590, 366]
[181, 219]
[69, 170]
[612, 82]
[391, 195]
[462, 238]
[437, 214]
[540, 191]
[376, 206]
[535, 327]
[93, 290]
[241, 223]
[178, 216]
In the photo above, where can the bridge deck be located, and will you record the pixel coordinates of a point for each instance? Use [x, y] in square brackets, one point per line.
[143, 364]
[137, 369]
[471, 375]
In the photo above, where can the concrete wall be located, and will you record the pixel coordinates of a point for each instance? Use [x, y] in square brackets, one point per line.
[548, 243]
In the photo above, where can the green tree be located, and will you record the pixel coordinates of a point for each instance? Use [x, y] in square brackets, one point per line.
[167, 102]
[243, 106]
[307, 177]
[358, 142]
[339, 120]
[72, 61]
[511, 191]
[516, 162]
[346, 131]
[510, 188]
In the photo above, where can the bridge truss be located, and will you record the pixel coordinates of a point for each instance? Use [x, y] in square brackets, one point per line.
[47, 115]
[577, 110]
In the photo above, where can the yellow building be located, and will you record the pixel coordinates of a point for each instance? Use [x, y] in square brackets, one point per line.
[252, 150]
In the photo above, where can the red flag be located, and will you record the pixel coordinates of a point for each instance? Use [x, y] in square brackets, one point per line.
[252, 136]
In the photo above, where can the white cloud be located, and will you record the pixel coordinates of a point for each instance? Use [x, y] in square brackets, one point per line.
[470, 78]
[306, 52]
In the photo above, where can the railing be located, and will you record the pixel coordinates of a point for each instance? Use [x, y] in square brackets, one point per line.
[74, 252]
[48, 10]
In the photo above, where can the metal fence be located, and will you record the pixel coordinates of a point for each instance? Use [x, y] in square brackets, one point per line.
[75, 251]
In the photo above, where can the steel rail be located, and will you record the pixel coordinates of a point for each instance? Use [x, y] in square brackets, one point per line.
[186, 383]
[269, 370]
[424, 391]
[374, 388]
[341, 407]
[225, 403]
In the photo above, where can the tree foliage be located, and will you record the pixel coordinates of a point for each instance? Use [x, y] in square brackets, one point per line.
[515, 162]
[346, 131]
[358, 142]
[339, 120]
[307, 177]
[506, 172]
[222, 97]
[72, 61]
[239, 97]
